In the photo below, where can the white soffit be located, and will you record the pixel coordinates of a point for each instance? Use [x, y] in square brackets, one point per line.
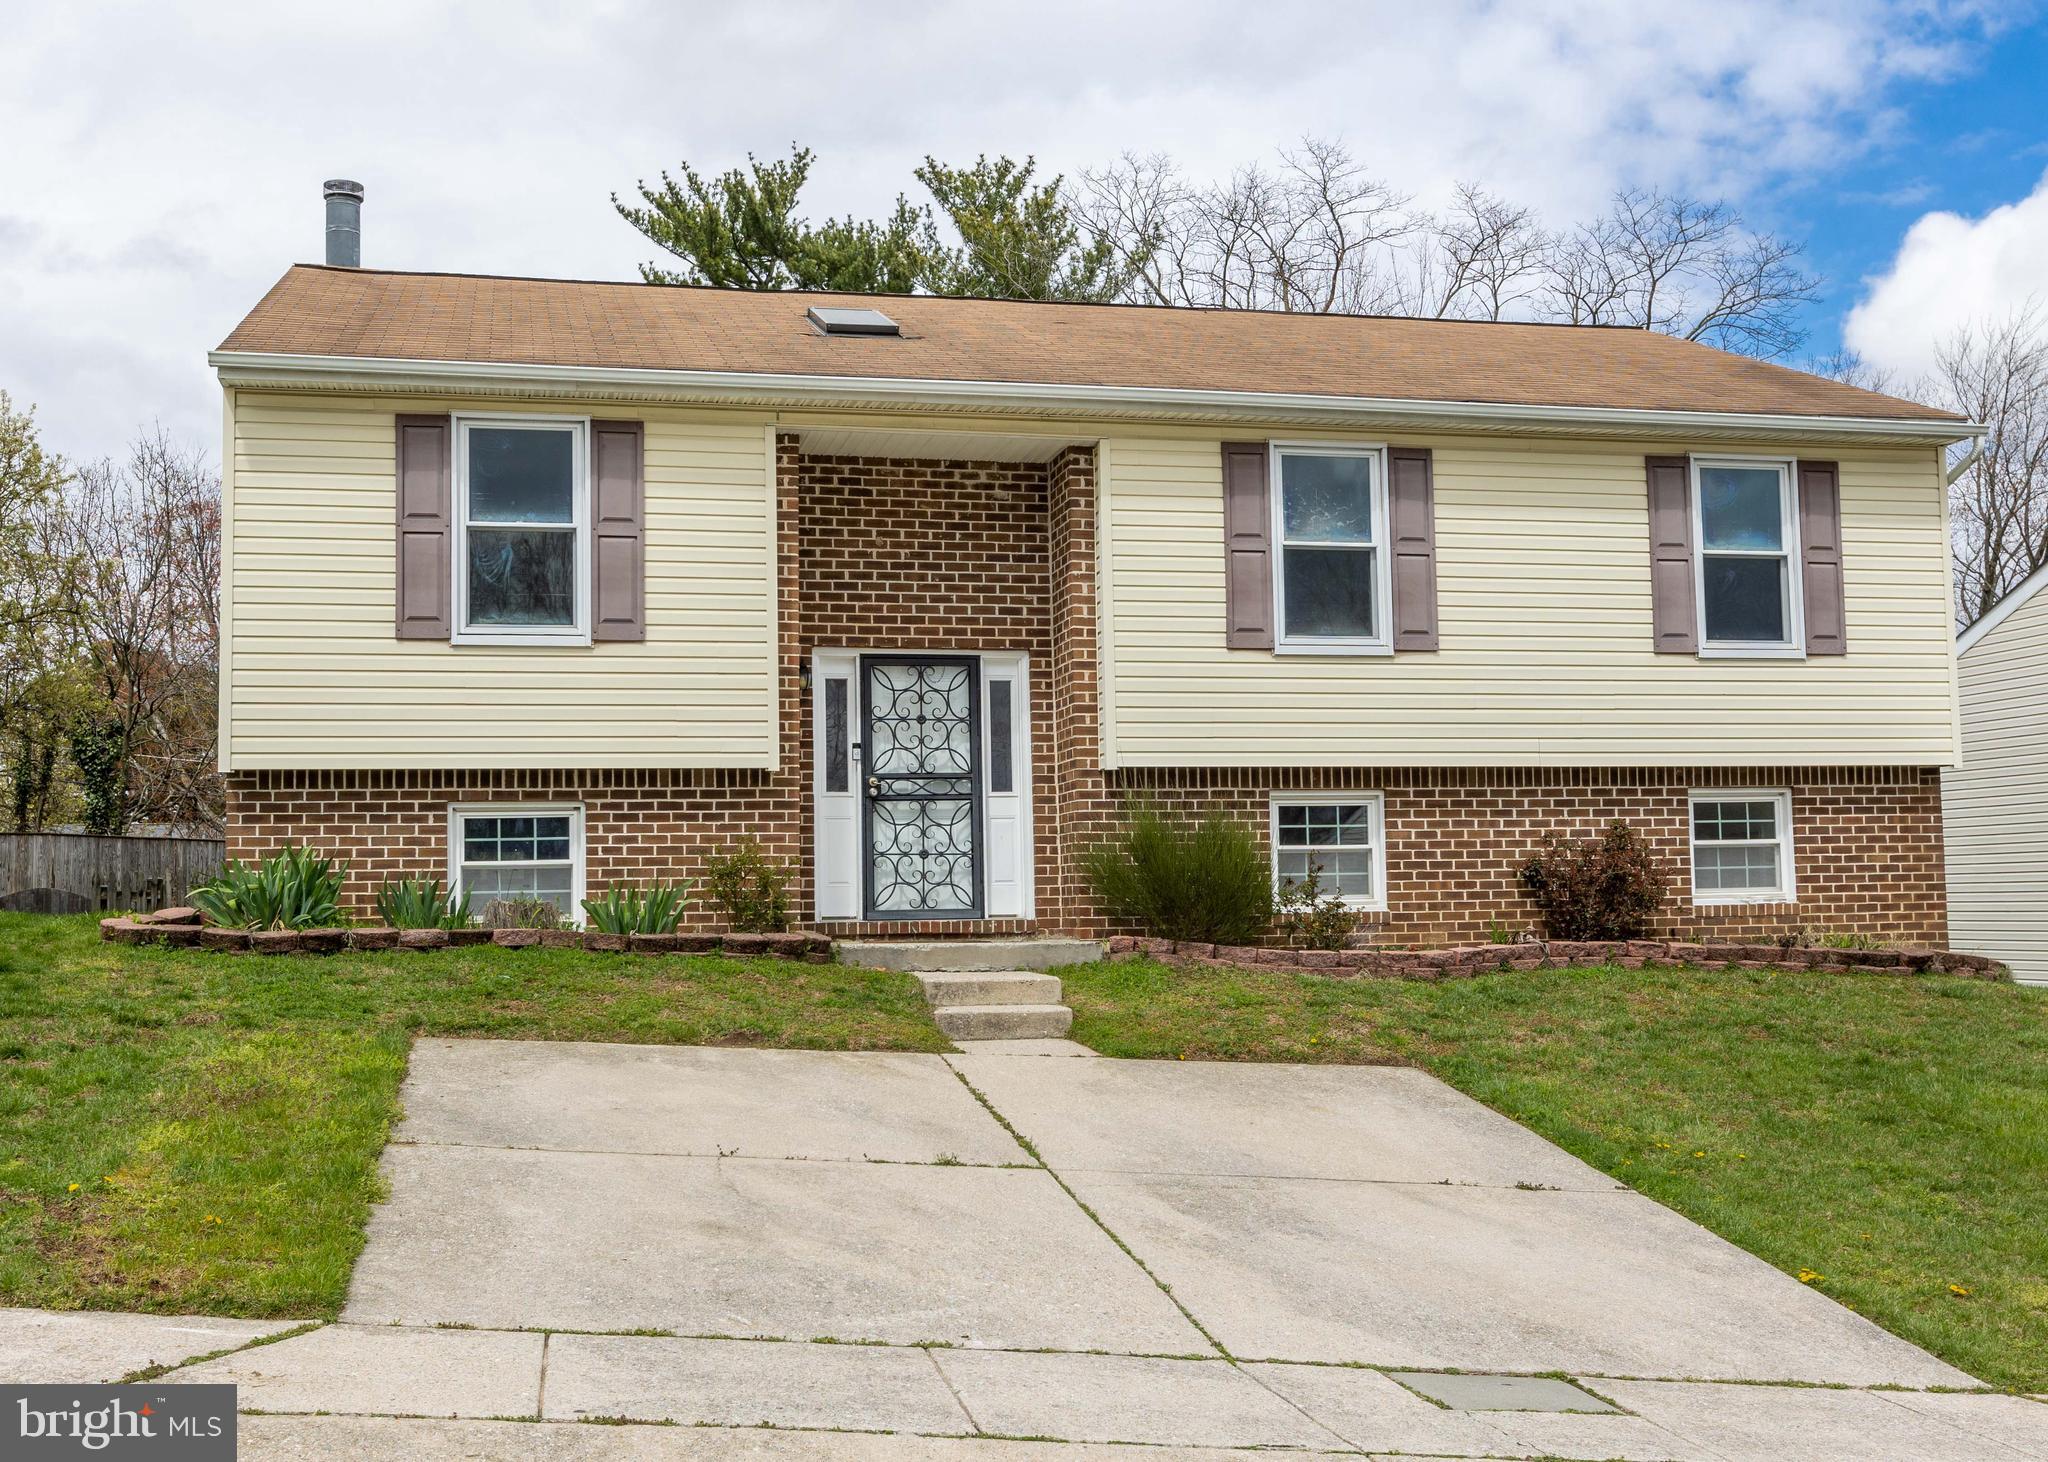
[929, 446]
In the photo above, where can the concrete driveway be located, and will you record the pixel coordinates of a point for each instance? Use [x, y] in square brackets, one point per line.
[981, 1246]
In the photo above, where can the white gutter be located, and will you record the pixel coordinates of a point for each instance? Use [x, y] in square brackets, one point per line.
[253, 368]
[1976, 451]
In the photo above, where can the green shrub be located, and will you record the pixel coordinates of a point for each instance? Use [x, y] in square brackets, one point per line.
[749, 887]
[624, 910]
[1312, 918]
[522, 913]
[294, 889]
[1843, 940]
[419, 903]
[1609, 887]
[1208, 883]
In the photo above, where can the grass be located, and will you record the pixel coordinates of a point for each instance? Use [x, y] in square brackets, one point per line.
[1886, 1136]
[191, 1132]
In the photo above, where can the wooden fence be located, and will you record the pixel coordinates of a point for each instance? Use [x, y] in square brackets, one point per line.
[71, 873]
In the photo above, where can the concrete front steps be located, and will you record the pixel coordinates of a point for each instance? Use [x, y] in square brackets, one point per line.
[985, 989]
[994, 955]
[995, 1005]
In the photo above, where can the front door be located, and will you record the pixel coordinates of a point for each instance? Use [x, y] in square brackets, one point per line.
[921, 805]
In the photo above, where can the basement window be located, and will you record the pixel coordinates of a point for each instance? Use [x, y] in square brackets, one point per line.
[1341, 837]
[1742, 847]
[520, 850]
[833, 320]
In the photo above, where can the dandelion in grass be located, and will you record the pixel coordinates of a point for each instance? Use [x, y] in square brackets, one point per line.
[72, 1188]
[1960, 1291]
[1810, 1276]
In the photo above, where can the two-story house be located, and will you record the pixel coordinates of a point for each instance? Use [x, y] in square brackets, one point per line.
[541, 585]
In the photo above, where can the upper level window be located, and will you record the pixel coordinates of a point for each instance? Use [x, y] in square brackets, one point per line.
[1330, 515]
[521, 530]
[1748, 587]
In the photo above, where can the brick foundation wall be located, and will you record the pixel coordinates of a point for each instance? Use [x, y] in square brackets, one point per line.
[638, 826]
[1867, 852]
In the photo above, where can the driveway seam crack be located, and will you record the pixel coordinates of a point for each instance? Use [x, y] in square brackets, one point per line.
[1093, 1217]
[540, 1398]
[953, 1391]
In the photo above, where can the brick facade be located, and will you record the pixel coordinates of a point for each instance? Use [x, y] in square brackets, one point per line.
[984, 557]
[947, 556]
[1866, 842]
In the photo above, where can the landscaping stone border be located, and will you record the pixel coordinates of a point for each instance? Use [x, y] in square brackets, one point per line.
[1479, 959]
[185, 928]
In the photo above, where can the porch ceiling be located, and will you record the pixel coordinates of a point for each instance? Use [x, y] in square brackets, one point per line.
[930, 446]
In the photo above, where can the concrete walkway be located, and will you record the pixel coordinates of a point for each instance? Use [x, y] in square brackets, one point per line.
[956, 1251]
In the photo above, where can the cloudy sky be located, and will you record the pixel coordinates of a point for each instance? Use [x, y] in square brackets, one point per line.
[164, 160]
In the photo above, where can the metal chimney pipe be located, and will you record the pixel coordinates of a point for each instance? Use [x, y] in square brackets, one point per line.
[344, 222]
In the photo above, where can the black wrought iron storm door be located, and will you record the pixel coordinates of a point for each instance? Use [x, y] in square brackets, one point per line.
[921, 807]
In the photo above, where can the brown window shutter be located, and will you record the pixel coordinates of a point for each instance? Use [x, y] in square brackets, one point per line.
[618, 557]
[1673, 612]
[1411, 503]
[1247, 547]
[425, 541]
[1820, 557]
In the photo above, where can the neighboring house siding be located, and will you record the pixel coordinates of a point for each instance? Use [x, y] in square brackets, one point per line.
[317, 678]
[1995, 806]
[1543, 584]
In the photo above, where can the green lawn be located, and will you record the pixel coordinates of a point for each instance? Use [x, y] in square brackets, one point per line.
[185, 1131]
[1886, 1135]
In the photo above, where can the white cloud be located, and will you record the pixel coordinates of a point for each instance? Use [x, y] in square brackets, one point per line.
[1952, 271]
[163, 161]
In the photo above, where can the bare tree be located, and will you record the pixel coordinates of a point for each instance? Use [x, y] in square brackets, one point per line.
[1681, 267]
[1314, 234]
[1997, 373]
[144, 536]
[1480, 259]
[1852, 369]
[1317, 232]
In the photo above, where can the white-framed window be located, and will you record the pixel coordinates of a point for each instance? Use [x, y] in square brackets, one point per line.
[1742, 847]
[1342, 835]
[517, 850]
[1331, 588]
[522, 530]
[1746, 528]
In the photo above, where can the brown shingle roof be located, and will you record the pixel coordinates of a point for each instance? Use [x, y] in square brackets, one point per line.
[353, 312]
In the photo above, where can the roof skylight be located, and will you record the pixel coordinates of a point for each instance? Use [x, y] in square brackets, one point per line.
[832, 320]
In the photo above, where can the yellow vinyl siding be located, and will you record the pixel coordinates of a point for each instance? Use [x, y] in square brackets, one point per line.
[1543, 598]
[317, 678]
[1995, 806]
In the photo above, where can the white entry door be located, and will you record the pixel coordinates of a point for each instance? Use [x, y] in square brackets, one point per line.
[921, 785]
